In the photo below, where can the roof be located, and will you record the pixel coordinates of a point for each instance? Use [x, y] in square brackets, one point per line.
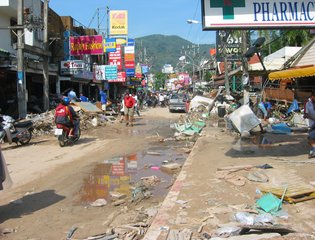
[4, 53]
[292, 73]
[276, 60]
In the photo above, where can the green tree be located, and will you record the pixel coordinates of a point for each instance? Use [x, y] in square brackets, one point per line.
[296, 38]
[159, 80]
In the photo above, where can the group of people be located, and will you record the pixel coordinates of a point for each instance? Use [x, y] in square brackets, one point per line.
[309, 115]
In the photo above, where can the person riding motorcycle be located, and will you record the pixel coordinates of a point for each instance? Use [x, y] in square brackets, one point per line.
[69, 116]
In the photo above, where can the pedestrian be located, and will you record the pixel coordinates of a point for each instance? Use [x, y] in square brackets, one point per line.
[309, 110]
[129, 103]
[136, 104]
[83, 98]
[309, 114]
[72, 95]
[5, 179]
[140, 95]
[122, 110]
[103, 99]
[265, 109]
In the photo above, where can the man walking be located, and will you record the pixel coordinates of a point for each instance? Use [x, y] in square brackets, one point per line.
[103, 100]
[129, 103]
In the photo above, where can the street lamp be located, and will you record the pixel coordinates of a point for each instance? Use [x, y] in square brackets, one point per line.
[191, 21]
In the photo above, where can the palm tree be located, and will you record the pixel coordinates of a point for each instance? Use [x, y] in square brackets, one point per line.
[296, 38]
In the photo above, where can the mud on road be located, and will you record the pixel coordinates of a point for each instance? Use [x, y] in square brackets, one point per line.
[54, 187]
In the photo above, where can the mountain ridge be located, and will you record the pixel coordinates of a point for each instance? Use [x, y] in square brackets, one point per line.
[156, 50]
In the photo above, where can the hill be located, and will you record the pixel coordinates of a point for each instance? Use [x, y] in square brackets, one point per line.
[157, 50]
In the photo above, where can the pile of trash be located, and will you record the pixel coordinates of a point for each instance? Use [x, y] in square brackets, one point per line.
[90, 117]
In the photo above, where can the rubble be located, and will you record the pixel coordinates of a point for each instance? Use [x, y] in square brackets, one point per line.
[44, 122]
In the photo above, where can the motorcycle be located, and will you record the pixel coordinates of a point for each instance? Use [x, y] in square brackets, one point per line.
[15, 131]
[62, 132]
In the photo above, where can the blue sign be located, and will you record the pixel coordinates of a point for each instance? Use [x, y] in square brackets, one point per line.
[110, 44]
[110, 72]
[130, 72]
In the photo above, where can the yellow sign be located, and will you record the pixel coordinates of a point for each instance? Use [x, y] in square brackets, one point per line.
[118, 22]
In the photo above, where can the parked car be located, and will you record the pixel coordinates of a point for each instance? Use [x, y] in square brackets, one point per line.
[177, 102]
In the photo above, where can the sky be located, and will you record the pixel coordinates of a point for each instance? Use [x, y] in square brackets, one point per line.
[145, 17]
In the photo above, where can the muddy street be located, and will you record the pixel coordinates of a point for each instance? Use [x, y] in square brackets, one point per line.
[111, 177]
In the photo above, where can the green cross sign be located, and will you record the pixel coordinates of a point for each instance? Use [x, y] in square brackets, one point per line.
[227, 6]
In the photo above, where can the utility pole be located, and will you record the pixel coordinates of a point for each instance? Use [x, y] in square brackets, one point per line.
[245, 69]
[46, 60]
[21, 83]
[224, 35]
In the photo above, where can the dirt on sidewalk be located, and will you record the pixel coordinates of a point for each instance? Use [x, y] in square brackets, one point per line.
[215, 186]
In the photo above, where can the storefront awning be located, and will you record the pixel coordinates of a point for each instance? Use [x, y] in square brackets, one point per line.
[292, 73]
[4, 53]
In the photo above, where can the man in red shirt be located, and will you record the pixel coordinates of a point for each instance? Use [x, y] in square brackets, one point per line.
[129, 103]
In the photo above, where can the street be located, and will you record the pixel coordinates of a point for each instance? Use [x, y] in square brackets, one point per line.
[60, 192]
[53, 190]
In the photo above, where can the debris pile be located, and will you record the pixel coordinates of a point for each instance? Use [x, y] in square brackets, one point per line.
[44, 122]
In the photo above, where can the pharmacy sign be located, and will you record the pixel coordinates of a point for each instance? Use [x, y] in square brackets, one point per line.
[257, 14]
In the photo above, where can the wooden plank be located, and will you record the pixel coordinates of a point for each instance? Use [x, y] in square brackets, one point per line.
[87, 106]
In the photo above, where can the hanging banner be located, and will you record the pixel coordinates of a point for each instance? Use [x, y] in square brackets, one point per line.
[138, 71]
[249, 14]
[110, 45]
[118, 22]
[81, 45]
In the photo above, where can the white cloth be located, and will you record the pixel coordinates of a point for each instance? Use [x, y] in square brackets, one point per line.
[122, 107]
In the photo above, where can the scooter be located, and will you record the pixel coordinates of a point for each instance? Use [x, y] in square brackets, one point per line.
[14, 131]
[64, 135]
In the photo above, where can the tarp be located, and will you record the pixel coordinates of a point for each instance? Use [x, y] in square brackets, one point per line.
[292, 73]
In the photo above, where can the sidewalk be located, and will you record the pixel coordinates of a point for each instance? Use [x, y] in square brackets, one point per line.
[201, 202]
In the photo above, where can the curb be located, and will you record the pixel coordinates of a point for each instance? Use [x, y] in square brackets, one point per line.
[159, 228]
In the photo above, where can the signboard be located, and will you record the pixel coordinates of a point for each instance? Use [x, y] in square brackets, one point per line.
[118, 22]
[71, 67]
[115, 58]
[121, 77]
[123, 41]
[110, 72]
[229, 45]
[249, 14]
[92, 45]
[110, 45]
[99, 71]
[130, 72]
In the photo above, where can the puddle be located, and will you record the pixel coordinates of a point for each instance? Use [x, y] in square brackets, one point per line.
[121, 173]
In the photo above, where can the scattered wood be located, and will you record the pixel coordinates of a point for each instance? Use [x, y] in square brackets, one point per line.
[117, 195]
[236, 168]
[171, 167]
[266, 228]
[118, 202]
[179, 235]
[154, 153]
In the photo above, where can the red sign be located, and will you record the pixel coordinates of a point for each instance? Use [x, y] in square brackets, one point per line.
[129, 64]
[121, 77]
[82, 45]
[114, 58]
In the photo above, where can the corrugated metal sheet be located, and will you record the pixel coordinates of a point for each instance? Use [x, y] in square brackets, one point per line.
[307, 58]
